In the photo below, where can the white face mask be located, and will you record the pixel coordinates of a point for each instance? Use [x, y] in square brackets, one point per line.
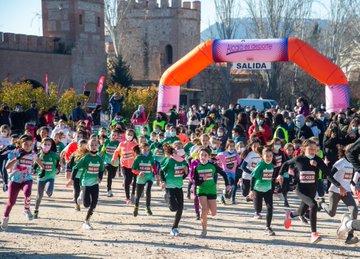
[242, 149]
[309, 124]
[129, 138]
[173, 134]
[322, 118]
[277, 147]
[220, 134]
[3, 135]
[180, 152]
[310, 157]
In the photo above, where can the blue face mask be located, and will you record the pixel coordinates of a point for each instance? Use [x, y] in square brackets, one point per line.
[173, 134]
[310, 157]
[145, 153]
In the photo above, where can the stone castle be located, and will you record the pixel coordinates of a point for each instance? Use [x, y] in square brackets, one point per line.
[71, 52]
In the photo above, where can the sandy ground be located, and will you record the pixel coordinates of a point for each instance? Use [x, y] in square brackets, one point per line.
[233, 232]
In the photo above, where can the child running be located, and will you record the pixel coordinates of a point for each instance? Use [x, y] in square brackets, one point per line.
[19, 167]
[340, 189]
[261, 187]
[204, 177]
[308, 166]
[144, 168]
[127, 155]
[173, 171]
[46, 176]
[107, 151]
[229, 160]
[91, 175]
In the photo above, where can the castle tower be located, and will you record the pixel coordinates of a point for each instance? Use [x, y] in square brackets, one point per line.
[151, 39]
[78, 26]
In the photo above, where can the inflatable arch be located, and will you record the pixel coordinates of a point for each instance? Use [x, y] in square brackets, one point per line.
[264, 50]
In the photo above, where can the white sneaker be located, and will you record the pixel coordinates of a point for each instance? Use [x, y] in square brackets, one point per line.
[87, 226]
[257, 216]
[4, 223]
[174, 232]
[110, 194]
[28, 215]
[203, 234]
[342, 229]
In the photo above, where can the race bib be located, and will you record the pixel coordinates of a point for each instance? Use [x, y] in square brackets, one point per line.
[127, 155]
[47, 166]
[230, 162]
[110, 150]
[179, 170]
[145, 168]
[206, 173]
[93, 168]
[348, 177]
[307, 177]
[278, 161]
[267, 175]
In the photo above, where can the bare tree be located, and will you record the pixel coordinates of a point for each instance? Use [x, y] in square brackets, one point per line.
[227, 24]
[115, 11]
[277, 19]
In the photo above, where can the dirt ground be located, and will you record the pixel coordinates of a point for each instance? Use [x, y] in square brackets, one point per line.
[117, 234]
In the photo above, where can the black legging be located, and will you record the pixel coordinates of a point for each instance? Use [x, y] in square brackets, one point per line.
[268, 198]
[111, 170]
[176, 203]
[245, 187]
[129, 176]
[139, 191]
[77, 189]
[91, 197]
[307, 201]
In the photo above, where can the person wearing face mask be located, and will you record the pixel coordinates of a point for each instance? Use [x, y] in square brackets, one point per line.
[260, 129]
[32, 114]
[174, 170]
[230, 162]
[46, 176]
[353, 131]
[91, 169]
[307, 171]
[279, 158]
[304, 106]
[332, 138]
[342, 122]
[145, 169]
[291, 128]
[127, 155]
[280, 129]
[303, 131]
[172, 136]
[221, 136]
[4, 158]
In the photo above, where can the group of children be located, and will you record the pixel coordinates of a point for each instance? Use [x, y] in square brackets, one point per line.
[261, 171]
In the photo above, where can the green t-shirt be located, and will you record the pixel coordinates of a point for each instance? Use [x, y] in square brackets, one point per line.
[170, 140]
[208, 186]
[157, 152]
[92, 166]
[49, 161]
[174, 172]
[108, 150]
[187, 148]
[144, 164]
[263, 174]
[59, 147]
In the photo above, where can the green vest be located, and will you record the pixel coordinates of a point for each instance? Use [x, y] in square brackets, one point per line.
[286, 134]
[161, 124]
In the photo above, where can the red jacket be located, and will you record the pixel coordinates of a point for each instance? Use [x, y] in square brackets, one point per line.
[263, 136]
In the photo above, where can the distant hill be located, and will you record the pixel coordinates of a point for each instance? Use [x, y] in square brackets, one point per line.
[244, 30]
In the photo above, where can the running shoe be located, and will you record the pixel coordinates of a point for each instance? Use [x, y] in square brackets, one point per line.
[315, 238]
[203, 234]
[319, 202]
[148, 211]
[77, 207]
[5, 223]
[128, 202]
[110, 193]
[28, 215]
[269, 232]
[87, 226]
[303, 220]
[174, 232]
[342, 229]
[233, 202]
[36, 214]
[136, 211]
[287, 221]
[350, 240]
[257, 216]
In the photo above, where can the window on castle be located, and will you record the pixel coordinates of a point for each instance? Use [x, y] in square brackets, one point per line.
[80, 19]
[169, 54]
[98, 22]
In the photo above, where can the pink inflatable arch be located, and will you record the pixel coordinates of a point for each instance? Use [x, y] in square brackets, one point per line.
[265, 50]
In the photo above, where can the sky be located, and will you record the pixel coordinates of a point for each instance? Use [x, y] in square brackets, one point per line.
[24, 16]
